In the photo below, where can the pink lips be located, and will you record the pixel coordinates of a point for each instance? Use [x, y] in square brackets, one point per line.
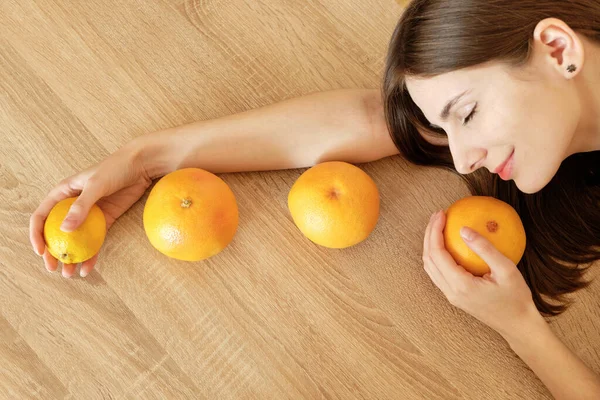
[505, 169]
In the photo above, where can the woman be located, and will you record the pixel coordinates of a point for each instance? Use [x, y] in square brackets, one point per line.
[509, 86]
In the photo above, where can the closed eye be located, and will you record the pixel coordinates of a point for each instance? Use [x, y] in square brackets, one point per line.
[470, 116]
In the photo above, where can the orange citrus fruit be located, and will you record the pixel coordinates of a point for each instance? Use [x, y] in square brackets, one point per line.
[334, 204]
[494, 219]
[81, 244]
[190, 215]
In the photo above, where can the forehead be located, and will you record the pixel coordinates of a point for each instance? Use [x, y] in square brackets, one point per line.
[432, 93]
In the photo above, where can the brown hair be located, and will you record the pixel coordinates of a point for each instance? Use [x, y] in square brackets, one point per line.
[562, 221]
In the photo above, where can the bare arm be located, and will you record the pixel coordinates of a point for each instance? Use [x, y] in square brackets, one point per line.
[345, 125]
[563, 373]
[502, 300]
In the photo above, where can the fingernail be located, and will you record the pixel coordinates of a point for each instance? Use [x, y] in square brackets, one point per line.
[65, 275]
[467, 233]
[83, 273]
[67, 223]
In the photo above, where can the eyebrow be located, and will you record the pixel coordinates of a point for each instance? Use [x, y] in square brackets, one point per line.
[446, 111]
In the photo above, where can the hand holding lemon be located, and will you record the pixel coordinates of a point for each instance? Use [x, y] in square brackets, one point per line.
[79, 245]
[113, 185]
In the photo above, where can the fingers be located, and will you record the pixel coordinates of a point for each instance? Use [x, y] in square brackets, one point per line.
[79, 210]
[87, 266]
[426, 239]
[68, 188]
[50, 262]
[36, 235]
[452, 279]
[451, 271]
[436, 277]
[498, 262]
[36, 222]
[430, 267]
[68, 270]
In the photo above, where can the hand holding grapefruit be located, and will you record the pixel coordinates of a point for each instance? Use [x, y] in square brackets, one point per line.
[494, 219]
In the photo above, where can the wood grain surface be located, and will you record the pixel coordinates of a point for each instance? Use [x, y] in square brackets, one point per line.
[273, 316]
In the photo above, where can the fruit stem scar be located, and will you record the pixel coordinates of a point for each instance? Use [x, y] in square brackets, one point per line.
[334, 193]
[492, 226]
[186, 203]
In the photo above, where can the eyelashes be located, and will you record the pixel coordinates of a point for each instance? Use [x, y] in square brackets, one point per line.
[471, 115]
[440, 131]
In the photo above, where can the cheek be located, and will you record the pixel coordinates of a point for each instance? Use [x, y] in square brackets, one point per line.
[533, 122]
[501, 127]
[521, 113]
[551, 127]
[544, 144]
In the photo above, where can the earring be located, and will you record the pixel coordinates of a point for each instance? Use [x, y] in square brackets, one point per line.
[571, 68]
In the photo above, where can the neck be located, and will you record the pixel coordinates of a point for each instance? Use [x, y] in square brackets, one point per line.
[587, 137]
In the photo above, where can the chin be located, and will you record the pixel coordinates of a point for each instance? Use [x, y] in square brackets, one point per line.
[528, 189]
[537, 175]
[533, 184]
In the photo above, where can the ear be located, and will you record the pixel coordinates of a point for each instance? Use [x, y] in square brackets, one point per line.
[557, 44]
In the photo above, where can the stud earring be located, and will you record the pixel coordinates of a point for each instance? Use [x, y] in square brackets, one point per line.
[571, 68]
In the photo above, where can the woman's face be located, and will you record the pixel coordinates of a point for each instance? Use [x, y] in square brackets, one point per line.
[519, 124]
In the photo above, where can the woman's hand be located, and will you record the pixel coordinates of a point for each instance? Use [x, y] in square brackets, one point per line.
[114, 185]
[500, 299]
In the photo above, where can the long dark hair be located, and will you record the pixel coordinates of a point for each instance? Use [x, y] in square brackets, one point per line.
[562, 221]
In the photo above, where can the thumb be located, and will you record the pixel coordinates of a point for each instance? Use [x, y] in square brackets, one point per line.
[81, 207]
[498, 262]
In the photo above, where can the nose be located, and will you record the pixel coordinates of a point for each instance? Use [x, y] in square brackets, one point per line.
[467, 158]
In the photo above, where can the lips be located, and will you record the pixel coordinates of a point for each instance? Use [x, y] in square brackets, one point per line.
[504, 170]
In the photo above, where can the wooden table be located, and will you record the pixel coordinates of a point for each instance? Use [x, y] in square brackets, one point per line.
[273, 316]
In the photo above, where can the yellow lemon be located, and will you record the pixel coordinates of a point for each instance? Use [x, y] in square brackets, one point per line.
[81, 244]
